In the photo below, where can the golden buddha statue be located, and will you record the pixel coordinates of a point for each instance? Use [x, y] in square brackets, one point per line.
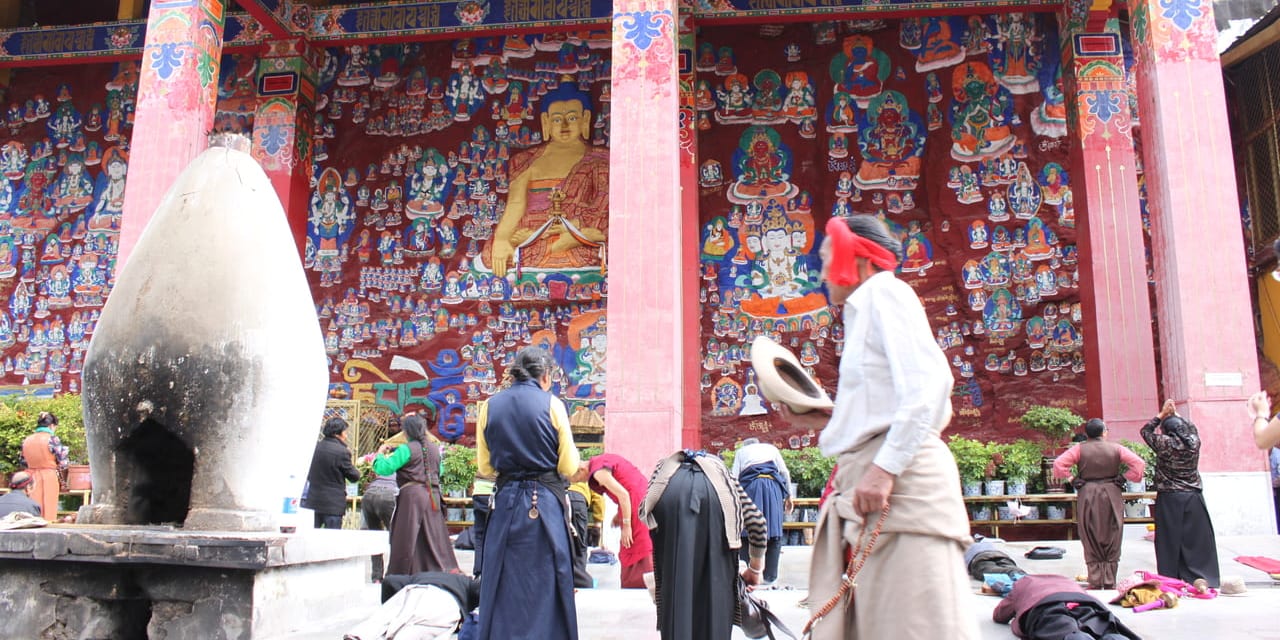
[556, 218]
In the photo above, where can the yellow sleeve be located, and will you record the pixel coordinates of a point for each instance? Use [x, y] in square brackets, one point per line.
[483, 466]
[569, 458]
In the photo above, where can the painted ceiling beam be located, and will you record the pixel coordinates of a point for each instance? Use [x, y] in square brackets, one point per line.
[269, 14]
[406, 21]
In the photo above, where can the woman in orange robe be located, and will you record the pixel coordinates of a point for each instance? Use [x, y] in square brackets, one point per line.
[44, 454]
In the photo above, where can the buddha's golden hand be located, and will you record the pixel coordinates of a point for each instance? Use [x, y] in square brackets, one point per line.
[502, 251]
[519, 236]
[564, 242]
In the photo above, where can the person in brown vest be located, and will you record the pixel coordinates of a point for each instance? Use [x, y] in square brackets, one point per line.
[1099, 507]
[44, 455]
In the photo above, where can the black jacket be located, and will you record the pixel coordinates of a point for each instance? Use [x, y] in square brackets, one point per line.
[331, 468]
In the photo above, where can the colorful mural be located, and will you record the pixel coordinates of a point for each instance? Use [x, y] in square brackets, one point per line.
[953, 132]
[459, 212]
[65, 154]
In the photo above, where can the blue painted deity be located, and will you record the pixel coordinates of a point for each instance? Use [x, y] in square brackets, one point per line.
[860, 69]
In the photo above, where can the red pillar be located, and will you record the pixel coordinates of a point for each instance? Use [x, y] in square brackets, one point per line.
[282, 127]
[1208, 350]
[1119, 352]
[645, 410]
[177, 90]
[692, 428]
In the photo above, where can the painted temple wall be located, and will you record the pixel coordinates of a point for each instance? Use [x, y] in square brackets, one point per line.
[954, 132]
[955, 136]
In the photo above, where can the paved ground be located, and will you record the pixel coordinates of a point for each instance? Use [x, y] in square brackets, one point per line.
[610, 613]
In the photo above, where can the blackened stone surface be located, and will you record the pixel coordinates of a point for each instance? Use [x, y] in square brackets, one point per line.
[209, 344]
[98, 583]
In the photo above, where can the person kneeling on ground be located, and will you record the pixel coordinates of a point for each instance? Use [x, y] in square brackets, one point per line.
[430, 605]
[1052, 606]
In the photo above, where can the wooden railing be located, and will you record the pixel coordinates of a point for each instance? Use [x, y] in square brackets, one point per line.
[1066, 500]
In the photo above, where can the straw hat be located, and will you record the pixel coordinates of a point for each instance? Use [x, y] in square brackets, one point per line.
[783, 380]
[1232, 586]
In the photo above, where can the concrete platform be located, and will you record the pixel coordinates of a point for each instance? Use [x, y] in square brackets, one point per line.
[610, 613]
[108, 582]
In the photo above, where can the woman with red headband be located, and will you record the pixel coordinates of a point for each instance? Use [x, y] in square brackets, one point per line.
[895, 479]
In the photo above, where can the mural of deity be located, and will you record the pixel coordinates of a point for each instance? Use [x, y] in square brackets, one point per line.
[13, 160]
[717, 241]
[557, 211]
[1002, 315]
[330, 222]
[994, 270]
[1050, 118]
[766, 99]
[917, 250]
[711, 174]
[978, 234]
[428, 186]
[783, 277]
[891, 140]
[1053, 183]
[942, 44]
[980, 114]
[842, 117]
[762, 165]
[734, 100]
[73, 190]
[799, 106]
[1067, 210]
[1040, 240]
[1025, 195]
[860, 70]
[1015, 57]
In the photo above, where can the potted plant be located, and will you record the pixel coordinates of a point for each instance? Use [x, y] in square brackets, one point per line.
[457, 470]
[1148, 456]
[1022, 461]
[809, 469]
[972, 458]
[1054, 424]
[994, 484]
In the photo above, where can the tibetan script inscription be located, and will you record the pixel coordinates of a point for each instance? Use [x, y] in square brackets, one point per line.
[539, 10]
[398, 18]
[61, 41]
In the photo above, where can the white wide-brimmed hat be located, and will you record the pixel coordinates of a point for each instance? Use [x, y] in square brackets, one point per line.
[782, 379]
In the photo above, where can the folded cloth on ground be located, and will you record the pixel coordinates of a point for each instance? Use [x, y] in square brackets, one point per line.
[1262, 563]
[22, 520]
[1046, 553]
[602, 556]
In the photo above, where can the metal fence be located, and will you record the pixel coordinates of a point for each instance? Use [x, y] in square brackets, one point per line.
[1254, 87]
[367, 423]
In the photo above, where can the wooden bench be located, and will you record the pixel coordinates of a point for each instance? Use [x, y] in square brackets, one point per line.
[353, 506]
[1067, 500]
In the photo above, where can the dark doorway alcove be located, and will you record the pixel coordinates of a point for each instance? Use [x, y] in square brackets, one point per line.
[159, 466]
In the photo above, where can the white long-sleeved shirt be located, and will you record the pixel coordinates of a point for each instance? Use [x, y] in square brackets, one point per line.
[893, 376]
[758, 453]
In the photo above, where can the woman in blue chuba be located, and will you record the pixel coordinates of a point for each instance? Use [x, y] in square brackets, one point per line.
[523, 437]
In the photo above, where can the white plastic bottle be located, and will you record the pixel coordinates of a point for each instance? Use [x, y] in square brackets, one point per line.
[289, 512]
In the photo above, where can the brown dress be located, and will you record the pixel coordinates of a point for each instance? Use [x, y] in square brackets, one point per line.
[419, 535]
[1100, 510]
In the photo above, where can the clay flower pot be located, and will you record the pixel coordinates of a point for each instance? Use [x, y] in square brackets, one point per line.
[79, 478]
